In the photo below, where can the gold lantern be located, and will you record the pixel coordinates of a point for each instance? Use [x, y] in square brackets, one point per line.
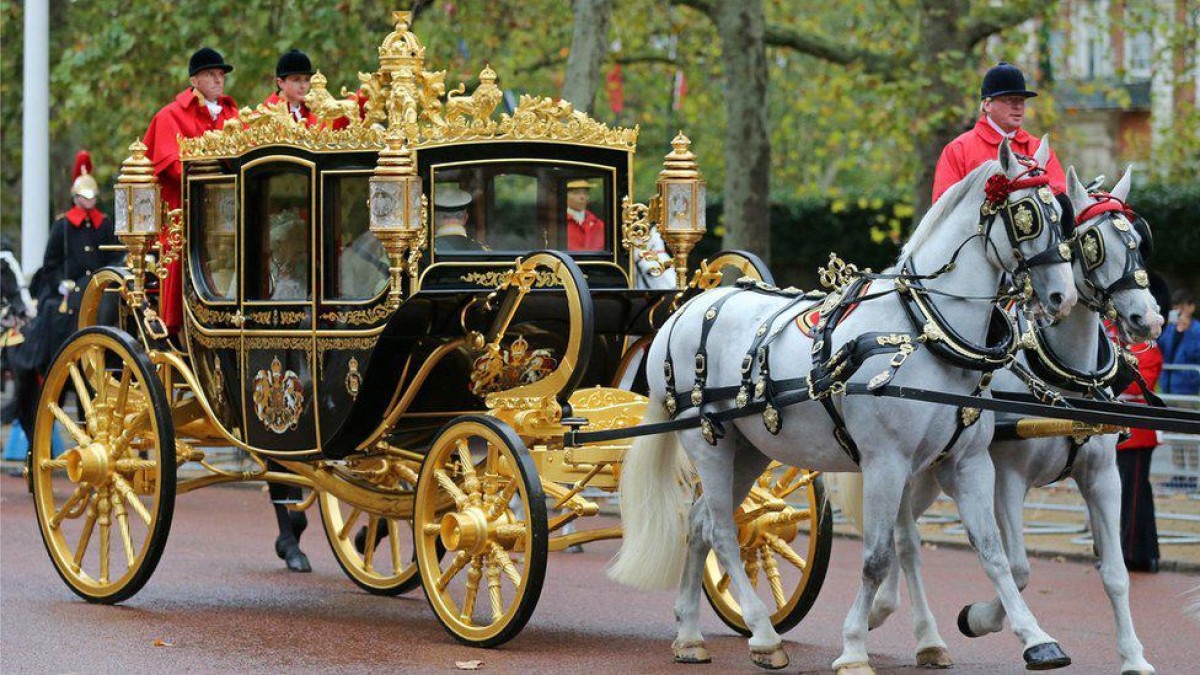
[398, 211]
[138, 211]
[677, 209]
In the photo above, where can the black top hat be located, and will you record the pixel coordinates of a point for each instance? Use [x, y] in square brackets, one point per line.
[205, 58]
[1004, 79]
[294, 62]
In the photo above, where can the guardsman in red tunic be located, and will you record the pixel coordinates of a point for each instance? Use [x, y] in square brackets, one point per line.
[201, 107]
[1003, 97]
[585, 230]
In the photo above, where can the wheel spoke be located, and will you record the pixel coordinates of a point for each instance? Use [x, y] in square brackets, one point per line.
[784, 480]
[460, 561]
[752, 567]
[781, 547]
[105, 535]
[81, 438]
[85, 398]
[123, 528]
[122, 393]
[506, 564]
[460, 498]
[493, 581]
[348, 525]
[126, 490]
[369, 544]
[394, 540]
[85, 537]
[473, 576]
[132, 424]
[51, 464]
[503, 498]
[772, 570]
[804, 481]
[82, 492]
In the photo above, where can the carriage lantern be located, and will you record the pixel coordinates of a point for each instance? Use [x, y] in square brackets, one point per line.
[398, 209]
[677, 208]
[138, 214]
[681, 194]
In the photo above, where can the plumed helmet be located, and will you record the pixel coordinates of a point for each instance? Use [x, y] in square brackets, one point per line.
[294, 62]
[1004, 79]
[205, 58]
[83, 184]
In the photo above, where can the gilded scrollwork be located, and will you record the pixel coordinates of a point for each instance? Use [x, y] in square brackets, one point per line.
[278, 342]
[543, 279]
[212, 316]
[402, 94]
[325, 344]
[359, 317]
[216, 341]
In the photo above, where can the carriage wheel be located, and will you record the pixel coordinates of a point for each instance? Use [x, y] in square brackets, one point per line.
[381, 560]
[115, 488]
[478, 495]
[785, 554]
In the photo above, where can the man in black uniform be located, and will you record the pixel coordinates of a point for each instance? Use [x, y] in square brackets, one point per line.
[73, 255]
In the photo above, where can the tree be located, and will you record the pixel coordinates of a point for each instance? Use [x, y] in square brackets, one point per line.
[589, 44]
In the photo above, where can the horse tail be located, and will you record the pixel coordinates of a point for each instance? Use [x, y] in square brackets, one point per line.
[846, 493]
[656, 490]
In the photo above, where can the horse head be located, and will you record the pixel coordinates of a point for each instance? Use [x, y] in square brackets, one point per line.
[1023, 222]
[1111, 245]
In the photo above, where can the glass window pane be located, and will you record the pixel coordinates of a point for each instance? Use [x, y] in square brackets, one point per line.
[278, 226]
[521, 206]
[355, 265]
[217, 229]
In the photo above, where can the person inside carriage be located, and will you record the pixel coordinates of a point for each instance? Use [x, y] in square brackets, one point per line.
[585, 230]
[451, 220]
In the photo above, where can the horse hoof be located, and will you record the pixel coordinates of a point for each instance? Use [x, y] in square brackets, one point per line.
[1147, 671]
[771, 658]
[964, 624]
[691, 652]
[860, 668]
[934, 657]
[1046, 656]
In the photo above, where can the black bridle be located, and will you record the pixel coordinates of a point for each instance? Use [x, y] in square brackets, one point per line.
[1088, 244]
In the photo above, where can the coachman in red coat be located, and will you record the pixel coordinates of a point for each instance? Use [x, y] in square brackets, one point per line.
[201, 107]
[1003, 96]
[585, 230]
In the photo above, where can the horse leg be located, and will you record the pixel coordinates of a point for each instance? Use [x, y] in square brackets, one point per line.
[887, 598]
[689, 641]
[689, 645]
[971, 483]
[1101, 488]
[982, 618]
[885, 481]
[931, 649]
[717, 468]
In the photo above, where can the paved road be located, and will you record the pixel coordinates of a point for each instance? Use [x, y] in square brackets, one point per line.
[223, 602]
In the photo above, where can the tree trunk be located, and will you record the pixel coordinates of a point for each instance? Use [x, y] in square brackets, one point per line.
[741, 26]
[939, 105]
[588, 47]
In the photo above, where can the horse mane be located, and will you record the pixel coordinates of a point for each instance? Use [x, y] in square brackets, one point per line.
[946, 204]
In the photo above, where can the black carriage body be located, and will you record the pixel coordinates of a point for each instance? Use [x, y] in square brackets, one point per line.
[286, 311]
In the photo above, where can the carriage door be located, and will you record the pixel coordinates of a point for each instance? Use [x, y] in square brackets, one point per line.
[277, 304]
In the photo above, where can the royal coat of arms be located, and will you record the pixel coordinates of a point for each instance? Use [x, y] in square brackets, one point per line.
[509, 368]
[278, 397]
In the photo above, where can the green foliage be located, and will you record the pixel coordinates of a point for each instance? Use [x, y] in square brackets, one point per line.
[1170, 209]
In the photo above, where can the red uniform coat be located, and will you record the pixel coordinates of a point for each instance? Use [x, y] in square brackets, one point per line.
[981, 144]
[186, 116]
[585, 236]
[305, 114]
[1150, 363]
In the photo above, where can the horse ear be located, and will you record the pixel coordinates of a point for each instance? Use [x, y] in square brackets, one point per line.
[1121, 190]
[1007, 161]
[1042, 154]
[1076, 191]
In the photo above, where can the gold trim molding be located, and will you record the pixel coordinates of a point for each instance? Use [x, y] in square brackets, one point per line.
[358, 317]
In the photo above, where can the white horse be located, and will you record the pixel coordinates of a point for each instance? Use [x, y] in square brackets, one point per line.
[1106, 271]
[665, 541]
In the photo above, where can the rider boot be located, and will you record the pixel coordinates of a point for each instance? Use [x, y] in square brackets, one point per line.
[291, 525]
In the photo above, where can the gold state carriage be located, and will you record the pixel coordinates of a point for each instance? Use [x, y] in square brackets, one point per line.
[421, 387]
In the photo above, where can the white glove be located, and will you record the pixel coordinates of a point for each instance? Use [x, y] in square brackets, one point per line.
[64, 287]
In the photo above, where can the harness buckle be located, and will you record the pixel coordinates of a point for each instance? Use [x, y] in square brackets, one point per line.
[699, 364]
[901, 355]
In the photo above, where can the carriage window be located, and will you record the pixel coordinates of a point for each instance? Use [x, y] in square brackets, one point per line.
[355, 266]
[216, 223]
[278, 230]
[519, 206]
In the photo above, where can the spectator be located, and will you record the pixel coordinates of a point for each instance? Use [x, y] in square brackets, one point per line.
[1180, 345]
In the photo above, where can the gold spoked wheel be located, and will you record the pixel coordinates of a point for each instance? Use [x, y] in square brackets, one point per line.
[478, 495]
[104, 507]
[785, 529]
[375, 551]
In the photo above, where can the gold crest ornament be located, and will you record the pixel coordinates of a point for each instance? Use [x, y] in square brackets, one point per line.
[353, 379]
[1046, 195]
[1023, 219]
[218, 380]
[505, 369]
[278, 397]
[969, 416]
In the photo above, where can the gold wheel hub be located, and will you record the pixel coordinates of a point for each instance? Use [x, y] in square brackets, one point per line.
[89, 464]
[465, 530]
[781, 524]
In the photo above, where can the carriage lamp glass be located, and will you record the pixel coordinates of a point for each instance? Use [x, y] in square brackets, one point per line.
[396, 206]
[681, 198]
[136, 196]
